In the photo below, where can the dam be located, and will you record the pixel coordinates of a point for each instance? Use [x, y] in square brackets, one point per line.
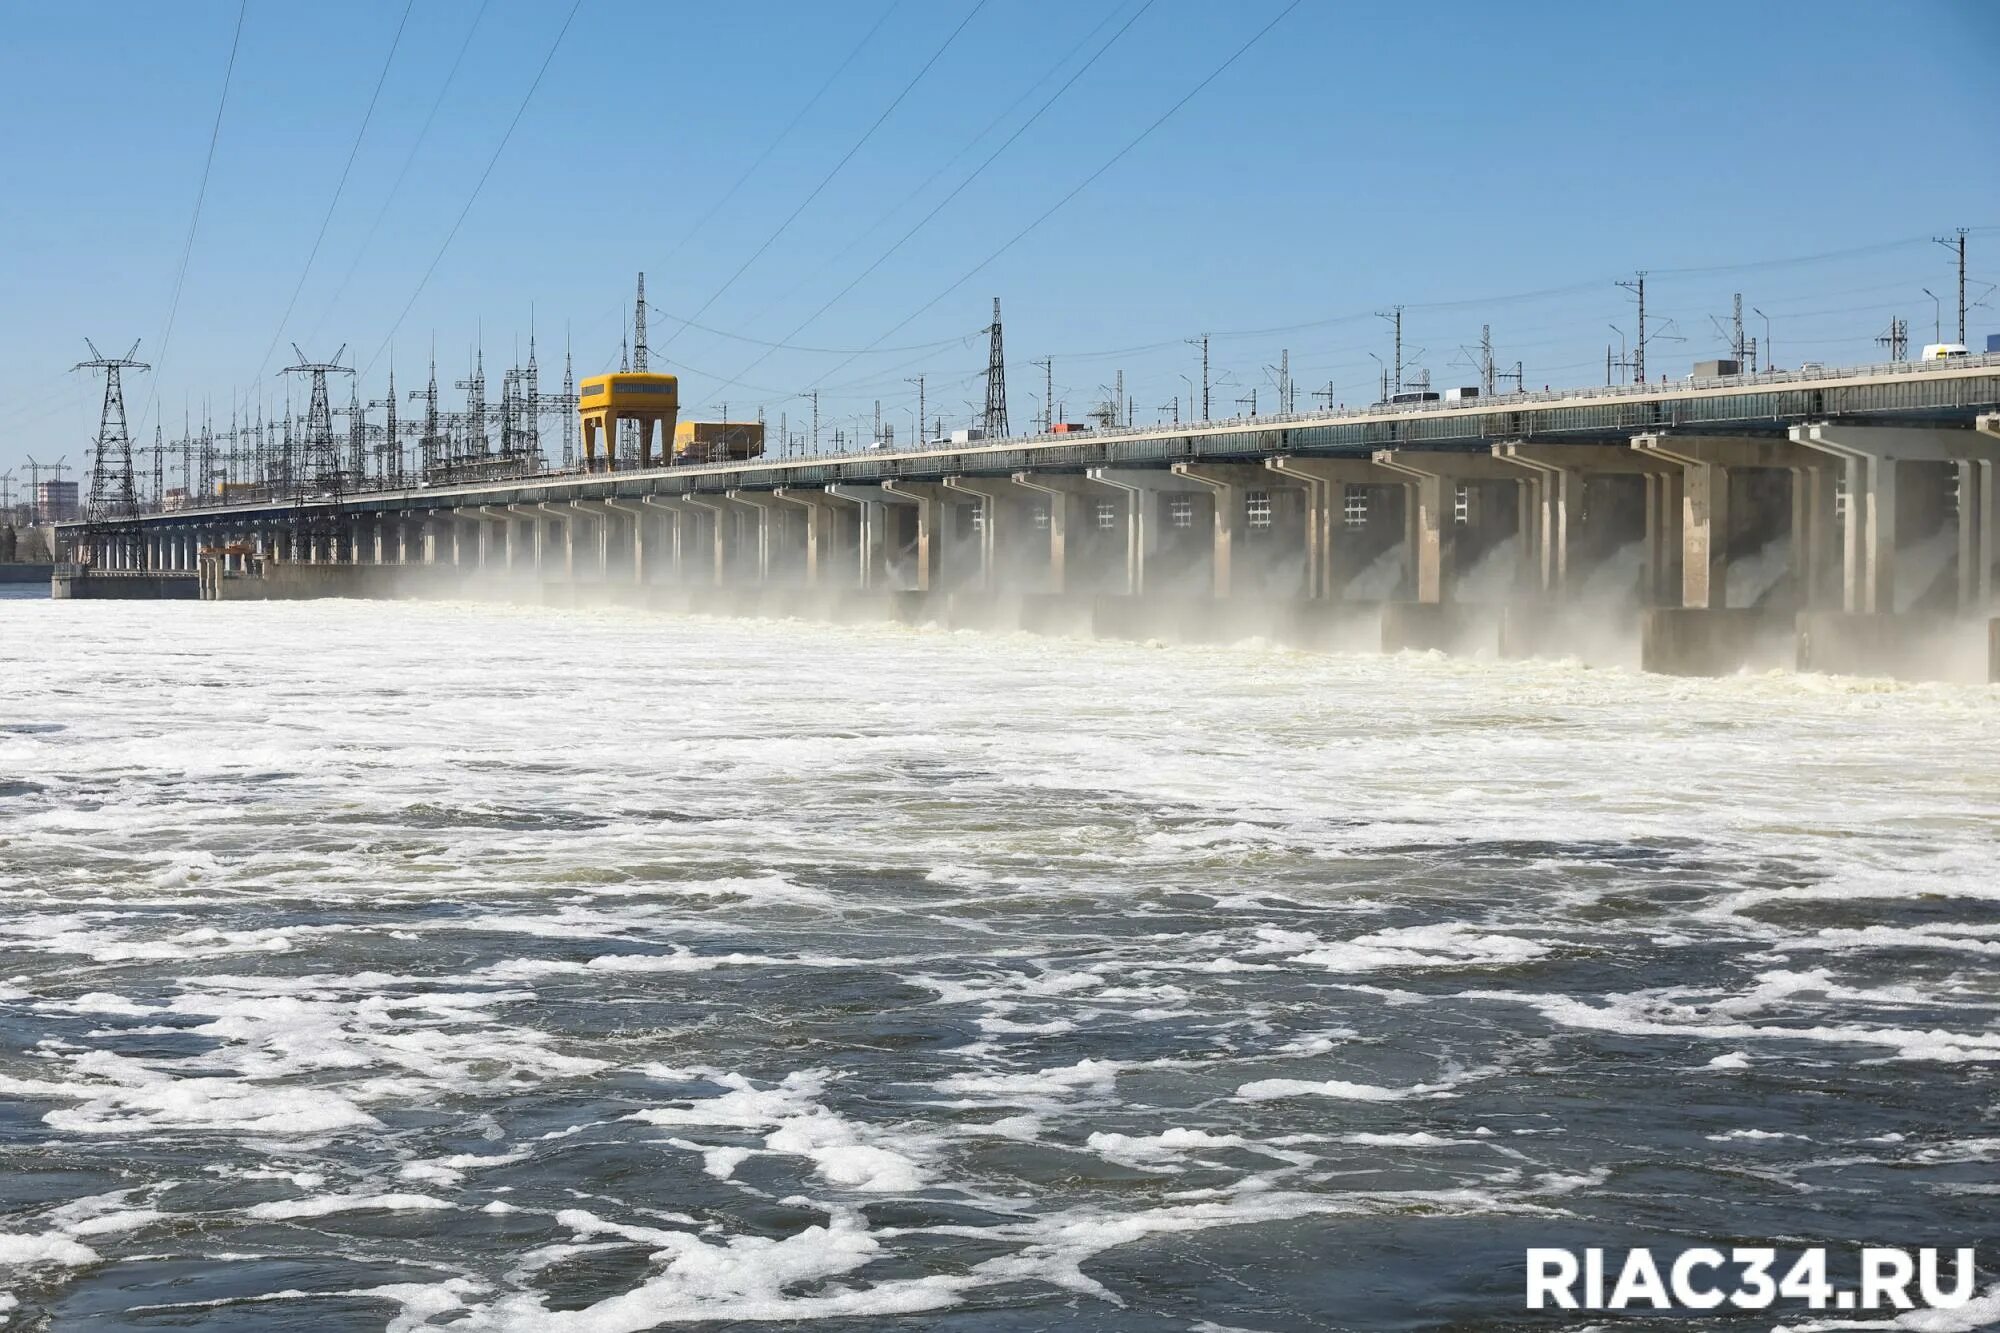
[1833, 520]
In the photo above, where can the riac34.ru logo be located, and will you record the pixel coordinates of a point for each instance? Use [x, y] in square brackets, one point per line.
[1748, 1278]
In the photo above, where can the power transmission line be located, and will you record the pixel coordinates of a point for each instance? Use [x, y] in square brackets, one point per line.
[960, 187]
[408, 160]
[901, 208]
[826, 180]
[796, 347]
[478, 185]
[1080, 186]
[338, 189]
[201, 193]
[783, 134]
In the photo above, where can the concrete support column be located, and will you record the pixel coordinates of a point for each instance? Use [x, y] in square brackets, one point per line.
[1328, 568]
[774, 545]
[525, 540]
[1231, 484]
[1976, 526]
[1870, 456]
[600, 515]
[638, 515]
[1560, 473]
[1003, 526]
[1432, 521]
[494, 550]
[1141, 490]
[566, 515]
[586, 530]
[679, 535]
[1066, 496]
[1705, 536]
[872, 538]
[932, 502]
[1815, 547]
[826, 553]
[1706, 527]
[722, 521]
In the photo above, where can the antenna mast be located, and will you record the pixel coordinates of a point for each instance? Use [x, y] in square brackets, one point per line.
[639, 327]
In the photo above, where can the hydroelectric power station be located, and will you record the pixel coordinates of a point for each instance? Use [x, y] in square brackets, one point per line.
[1830, 519]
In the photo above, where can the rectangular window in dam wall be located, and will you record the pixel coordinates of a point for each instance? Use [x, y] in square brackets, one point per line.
[1257, 508]
[1041, 518]
[1107, 516]
[1354, 508]
[1180, 511]
[1461, 504]
[976, 517]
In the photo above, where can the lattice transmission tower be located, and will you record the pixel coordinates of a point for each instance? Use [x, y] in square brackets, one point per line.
[114, 499]
[113, 493]
[322, 454]
[996, 381]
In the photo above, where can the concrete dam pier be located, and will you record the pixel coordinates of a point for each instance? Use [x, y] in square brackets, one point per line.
[1836, 521]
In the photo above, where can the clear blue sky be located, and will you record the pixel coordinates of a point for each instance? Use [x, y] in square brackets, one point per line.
[1448, 157]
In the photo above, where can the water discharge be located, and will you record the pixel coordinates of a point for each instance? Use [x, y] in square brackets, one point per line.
[409, 965]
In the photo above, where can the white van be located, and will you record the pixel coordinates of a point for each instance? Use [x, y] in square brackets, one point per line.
[1939, 351]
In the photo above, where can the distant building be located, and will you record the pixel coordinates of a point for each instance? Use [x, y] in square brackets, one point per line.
[57, 501]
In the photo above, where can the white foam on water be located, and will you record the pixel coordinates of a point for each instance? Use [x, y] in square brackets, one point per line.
[1784, 988]
[1270, 1089]
[1413, 1139]
[1036, 1087]
[1151, 1150]
[1640, 1015]
[1444, 945]
[23, 1251]
[450, 1170]
[290, 1209]
[796, 1124]
[117, 1095]
[740, 1278]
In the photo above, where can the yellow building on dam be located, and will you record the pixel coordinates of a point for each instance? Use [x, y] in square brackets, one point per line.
[653, 400]
[644, 397]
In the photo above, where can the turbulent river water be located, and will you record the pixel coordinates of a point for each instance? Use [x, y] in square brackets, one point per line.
[408, 965]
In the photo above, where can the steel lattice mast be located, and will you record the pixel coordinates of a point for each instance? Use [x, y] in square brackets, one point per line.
[321, 451]
[639, 353]
[113, 495]
[357, 436]
[427, 446]
[996, 381]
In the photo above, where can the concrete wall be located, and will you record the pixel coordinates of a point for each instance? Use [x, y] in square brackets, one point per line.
[66, 585]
